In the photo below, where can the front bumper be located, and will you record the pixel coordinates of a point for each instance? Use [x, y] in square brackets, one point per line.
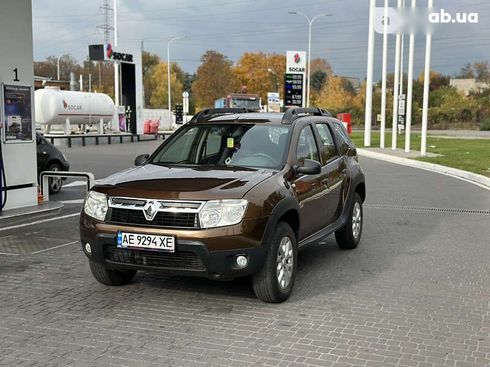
[190, 258]
[209, 253]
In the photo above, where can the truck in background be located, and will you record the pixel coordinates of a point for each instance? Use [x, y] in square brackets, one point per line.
[250, 101]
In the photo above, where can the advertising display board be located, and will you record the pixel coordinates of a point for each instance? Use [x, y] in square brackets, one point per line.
[294, 90]
[296, 62]
[16, 113]
[273, 102]
[295, 79]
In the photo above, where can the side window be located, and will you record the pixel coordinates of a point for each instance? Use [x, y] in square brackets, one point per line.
[328, 150]
[213, 143]
[180, 152]
[307, 148]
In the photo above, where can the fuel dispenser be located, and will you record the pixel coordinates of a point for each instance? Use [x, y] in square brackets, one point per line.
[18, 162]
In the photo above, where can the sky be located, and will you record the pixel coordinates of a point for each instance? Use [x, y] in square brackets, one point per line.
[233, 27]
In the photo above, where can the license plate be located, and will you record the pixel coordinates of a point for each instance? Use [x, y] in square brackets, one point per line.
[145, 241]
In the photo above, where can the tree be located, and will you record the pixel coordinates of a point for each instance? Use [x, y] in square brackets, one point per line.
[482, 71]
[214, 79]
[437, 80]
[334, 96]
[467, 71]
[149, 62]
[318, 79]
[322, 65]
[261, 72]
[159, 81]
[102, 76]
[49, 67]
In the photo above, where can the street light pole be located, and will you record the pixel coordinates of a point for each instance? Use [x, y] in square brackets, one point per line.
[168, 76]
[310, 23]
[58, 69]
[275, 78]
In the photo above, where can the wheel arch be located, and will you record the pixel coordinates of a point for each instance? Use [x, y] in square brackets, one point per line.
[361, 190]
[286, 210]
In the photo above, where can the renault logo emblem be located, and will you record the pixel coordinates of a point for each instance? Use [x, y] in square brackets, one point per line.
[150, 210]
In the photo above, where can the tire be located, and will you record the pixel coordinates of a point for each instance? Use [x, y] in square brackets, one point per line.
[349, 236]
[55, 184]
[266, 283]
[110, 277]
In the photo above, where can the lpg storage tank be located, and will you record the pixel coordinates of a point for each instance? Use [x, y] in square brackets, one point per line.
[55, 106]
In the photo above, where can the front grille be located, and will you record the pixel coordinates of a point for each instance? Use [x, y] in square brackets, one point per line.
[183, 260]
[162, 219]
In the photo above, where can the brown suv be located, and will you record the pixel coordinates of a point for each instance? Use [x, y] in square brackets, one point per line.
[229, 194]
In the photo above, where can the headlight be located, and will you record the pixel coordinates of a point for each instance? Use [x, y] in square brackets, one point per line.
[219, 213]
[96, 205]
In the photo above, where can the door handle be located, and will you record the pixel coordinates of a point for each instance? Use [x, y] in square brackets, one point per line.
[325, 181]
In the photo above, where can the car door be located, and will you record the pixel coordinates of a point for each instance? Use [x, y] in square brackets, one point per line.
[309, 189]
[333, 168]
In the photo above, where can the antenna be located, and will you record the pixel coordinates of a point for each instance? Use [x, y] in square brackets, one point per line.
[107, 11]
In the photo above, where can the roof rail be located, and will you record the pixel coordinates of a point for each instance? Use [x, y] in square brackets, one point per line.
[208, 114]
[294, 113]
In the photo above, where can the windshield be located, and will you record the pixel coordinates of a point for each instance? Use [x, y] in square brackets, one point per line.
[247, 103]
[246, 145]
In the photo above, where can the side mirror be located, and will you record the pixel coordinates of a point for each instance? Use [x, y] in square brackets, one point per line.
[141, 159]
[348, 149]
[309, 167]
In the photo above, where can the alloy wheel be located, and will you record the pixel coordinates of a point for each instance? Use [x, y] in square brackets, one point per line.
[284, 268]
[356, 220]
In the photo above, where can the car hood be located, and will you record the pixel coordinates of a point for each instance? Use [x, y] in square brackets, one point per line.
[184, 183]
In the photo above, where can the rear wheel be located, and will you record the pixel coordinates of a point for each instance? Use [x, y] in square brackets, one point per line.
[274, 282]
[110, 277]
[349, 235]
[54, 183]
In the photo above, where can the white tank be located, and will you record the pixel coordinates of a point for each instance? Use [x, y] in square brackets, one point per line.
[54, 106]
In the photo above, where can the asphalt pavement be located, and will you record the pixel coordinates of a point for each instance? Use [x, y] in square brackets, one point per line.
[415, 293]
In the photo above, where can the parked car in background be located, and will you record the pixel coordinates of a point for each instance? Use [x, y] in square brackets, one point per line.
[50, 158]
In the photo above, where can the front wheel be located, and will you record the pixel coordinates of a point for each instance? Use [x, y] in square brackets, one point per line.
[349, 235]
[274, 282]
[110, 277]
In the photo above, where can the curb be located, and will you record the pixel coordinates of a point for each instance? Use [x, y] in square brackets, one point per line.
[470, 177]
[47, 208]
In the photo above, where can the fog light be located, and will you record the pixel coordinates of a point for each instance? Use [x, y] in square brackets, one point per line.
[88, 249]
[241, 261]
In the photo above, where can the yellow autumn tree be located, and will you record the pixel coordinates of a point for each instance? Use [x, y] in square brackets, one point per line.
[333, 96]
[159, 83]
[260, 73]
[214, 79]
